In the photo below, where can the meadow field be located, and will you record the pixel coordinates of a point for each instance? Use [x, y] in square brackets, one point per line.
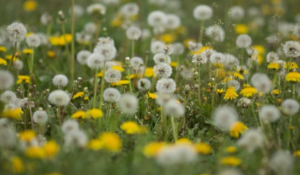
[149, 87]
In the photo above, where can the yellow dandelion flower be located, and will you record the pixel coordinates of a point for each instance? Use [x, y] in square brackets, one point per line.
[203, 148]
[23, 78]
[27, 135]
[231, 161]
[248, 91]
[116, 22]
[230, 94]
[237, 129]
[297, 153]
[78, 94]
[238, 75]
[291, 65]
[111, 141]
[17, 165]
[152, 148]
[184, 141]
[35, 152]
[131, 76]
[220, 91]
[100, 74]
[119, 68]
[226, 79]
[51, 54]
[173, 64]
[86, 98]
[8, 57]
[3, 62]
[276, 92]
[94, 113]
[151, 95]
[79, 115]
[274, 66]
[149, 72]
[130, 127]
[95, 144]
[230, 149]
[30, 5]
[259, 48]
[51, 148]
[28, 51]
[3, 49]
[120, 83]
[168, 38]
[241, 29]
[293, 77]
[13, 113]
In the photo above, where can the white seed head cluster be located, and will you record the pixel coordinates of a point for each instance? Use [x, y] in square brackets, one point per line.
[243, 41]
[290, 107]
[59, 98]
[33, 40]
[203, 12]
[130, 9]
[60, 80]
[128, 104]
[16, 32]
[216, 33]
[69, 126]
[199, 59]
[133, 33]
[272, 57]
[157, 47]
[166, 85]
[144, 84]
[96, 8]
[162, 70]
[261, 82]
[136, 63]
[76, 138]
[269, 113]
[172, 22]
[162, 58]
[8, 97]
[234, 83]
[111, 95]
[157, 18]
[251, 140]
[236, 13]
[108, 51]
[174, 108]
[112, 76]
[6, 80]
[291, 49]
[40, 117]
[224, 117]
[96, 61]
[217, 58]
[282, 162]
[82, 56]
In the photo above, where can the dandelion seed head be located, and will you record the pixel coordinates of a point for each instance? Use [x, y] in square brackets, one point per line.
[111, 95]
[136, 62]
[60, 80]
[269, 113]
[282, 162]
[76, 138]
[224, 117]
[128, 104]
[174, 109]
[112, 76]
[133, 33]
[69, 126]
[272, 57]
[236, 13]
[290, 107]
[243, 41]
[82, 56]
[40, 117]
[33, 40]
[203, 12]
[130, 9]
[59, 98]
[172, 21]
[96, 61]
[157, 18]
[16, 32]
[166, 85]
[144, 84]
[161, 58]
[6, 80]
[157, 47]
[291, 49]
[108, 51]
[251, 140]
[8, 97]
[162, 70]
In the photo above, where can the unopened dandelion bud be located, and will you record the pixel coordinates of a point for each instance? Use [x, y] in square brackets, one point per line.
[61, 16]
[187, 87]
[196, 86]
[127, 59]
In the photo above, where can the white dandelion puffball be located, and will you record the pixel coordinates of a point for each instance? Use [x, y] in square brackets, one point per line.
[217, 58]
[40, 116]
[216, 33]
[144, 84]
[33, 40]
[172, 22]
[76, 138]
[43, 38]
[224, 117]
[173, 108]
[178, 49]
[187, 73]
[82, 56]
[60, 80]
[130, 9]
[128, 104]
[290, 107]
[90, 28]
[291, 49]
[108, 51]
[236, 13]
[203, 12]
[199, 59]
[163, 98]
[8, 137]
[111, 95]
[5, 123]
[158, 2]
[244, 102]
[78, 10]
[96, 8]
[269, 113]
[16, 32]
[157, 47]
[105, 41]
[59, 98]
[282, 162]
[261, 82]
[162, 70]
[161, 58]
[96, 61]
[234, 83]
[133, 33]
[157, 18]
[112, 76]
[251, 140]
[69, 126]
[243, 41]
[194, 46]
[136, 63]
[8, 97]
[176, 155]
[230, 60]
[166, 85]
[229, 171]
[6, 80]
[18, 64]
[272, 57]
[111, 2]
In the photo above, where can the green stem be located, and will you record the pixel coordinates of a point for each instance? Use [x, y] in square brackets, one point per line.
[199, 83]
[31, 63]
[73, 45]
[201, 31]
[132, 49]
[95, 89]
[63, 29]
[12, 56]
[102, 87]
[128, 74]
[175, 134]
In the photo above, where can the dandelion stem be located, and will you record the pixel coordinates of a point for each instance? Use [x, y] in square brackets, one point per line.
[199, 82]
[31, 63]
[63, 29]
[175, 134]
[102, 88]
[95, 88]
[31, 118]
[12, 56]
[128, 74]
[72, 45]
[289, 133]
[201, 31]
[132, 49]
[59, 116]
